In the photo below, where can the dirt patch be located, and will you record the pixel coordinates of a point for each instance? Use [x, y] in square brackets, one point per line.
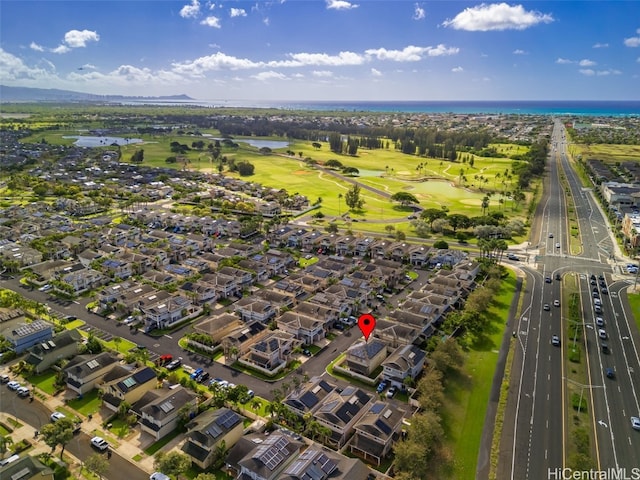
[301, 172]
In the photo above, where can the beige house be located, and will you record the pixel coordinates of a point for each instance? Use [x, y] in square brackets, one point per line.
[121, 385]
[364, 357]
[84, 372]
[377, 431]
[159, 411]
[208, 431]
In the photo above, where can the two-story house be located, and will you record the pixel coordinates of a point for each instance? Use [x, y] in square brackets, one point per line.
[159, 411]
[208, 431]
[404, 362]
[303, 327]
[364, 357]
[64, 345]
[377, 431]
[84, 372]
[340, 410]
[122, 385]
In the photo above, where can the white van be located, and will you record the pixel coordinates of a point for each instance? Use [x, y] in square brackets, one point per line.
[9, 460]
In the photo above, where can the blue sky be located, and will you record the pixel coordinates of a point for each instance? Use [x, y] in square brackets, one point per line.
[313, 50]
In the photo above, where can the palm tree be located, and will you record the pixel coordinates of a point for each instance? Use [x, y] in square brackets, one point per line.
[339, 197]
[5, 440]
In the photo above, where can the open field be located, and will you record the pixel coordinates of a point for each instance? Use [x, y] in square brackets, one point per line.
[606, 152]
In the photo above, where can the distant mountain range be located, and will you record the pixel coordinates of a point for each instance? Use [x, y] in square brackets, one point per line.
[25, 94]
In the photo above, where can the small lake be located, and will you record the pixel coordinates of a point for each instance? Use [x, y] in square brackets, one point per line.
[272, 144]
[93, 141]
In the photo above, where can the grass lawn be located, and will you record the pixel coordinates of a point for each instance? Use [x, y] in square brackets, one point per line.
[468, 392]
[194, 471]
[44, 381]
[634, 301]
[122, 346]
[154, 447]
[607, 153]
[119, 428]
[74, 324]
[88, 404]
[304, 263]
[3, 431]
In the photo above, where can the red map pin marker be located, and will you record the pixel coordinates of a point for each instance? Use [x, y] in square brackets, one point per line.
[366, 323]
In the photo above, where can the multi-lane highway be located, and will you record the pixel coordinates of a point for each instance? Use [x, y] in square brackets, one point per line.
[535, 433]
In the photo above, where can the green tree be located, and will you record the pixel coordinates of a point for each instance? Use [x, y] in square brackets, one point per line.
[432, 214]
[5, 441]
[352, 198]
[96, 464]
[58, 433]
[205, 476]
[172, 464]
[404, 198]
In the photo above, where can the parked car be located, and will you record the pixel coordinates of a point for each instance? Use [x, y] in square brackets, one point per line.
[203, 377]
[99, 443]
[159, 476]
[172, 365]
[392, 391]
[13, 385]
[382, 386]
[5, 379]
[23, 391]
[55, 416]
[196, 373]
[164, 359]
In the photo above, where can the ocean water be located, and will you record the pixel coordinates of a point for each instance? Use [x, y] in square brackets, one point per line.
[629, 108]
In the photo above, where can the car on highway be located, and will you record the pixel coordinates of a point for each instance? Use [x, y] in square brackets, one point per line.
[99, 443]
[600, 321]
[546, 307]
[551, 235]
[55, 416]
[610, 372]
[556, 303]
[597, 309]
[605, 348]
[602, 333]
[558, 276]
[604, 291]
[513, 257]
[557, 244]
[635, 423]
[555, 341]
[45, 288]
[547, 279]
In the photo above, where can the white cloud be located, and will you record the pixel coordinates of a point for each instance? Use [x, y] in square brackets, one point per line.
[340, 5]
[266, 21]
[322, 73]
[519, 52]
[61, 49]
[191, 11]
[270, 75]
[586, 63]
[600, 45]
[212, 21]
[457, 69]
[237, 12]
[589, 72]
[376, 72]
[13, 68]
[217, 61]
[36, 47]
[89, 66]
[638, 60]
[411, 53]
[632, 42]
[496, 16]
[418, 12]
[342, 59]
[564, 61]
[78, 38]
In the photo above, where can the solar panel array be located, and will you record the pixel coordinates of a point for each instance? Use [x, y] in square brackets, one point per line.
[214, 431]
[92, 364]
[166, 407]
[386, 429]
[129, 382]
[228, 420]
[273, 455]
